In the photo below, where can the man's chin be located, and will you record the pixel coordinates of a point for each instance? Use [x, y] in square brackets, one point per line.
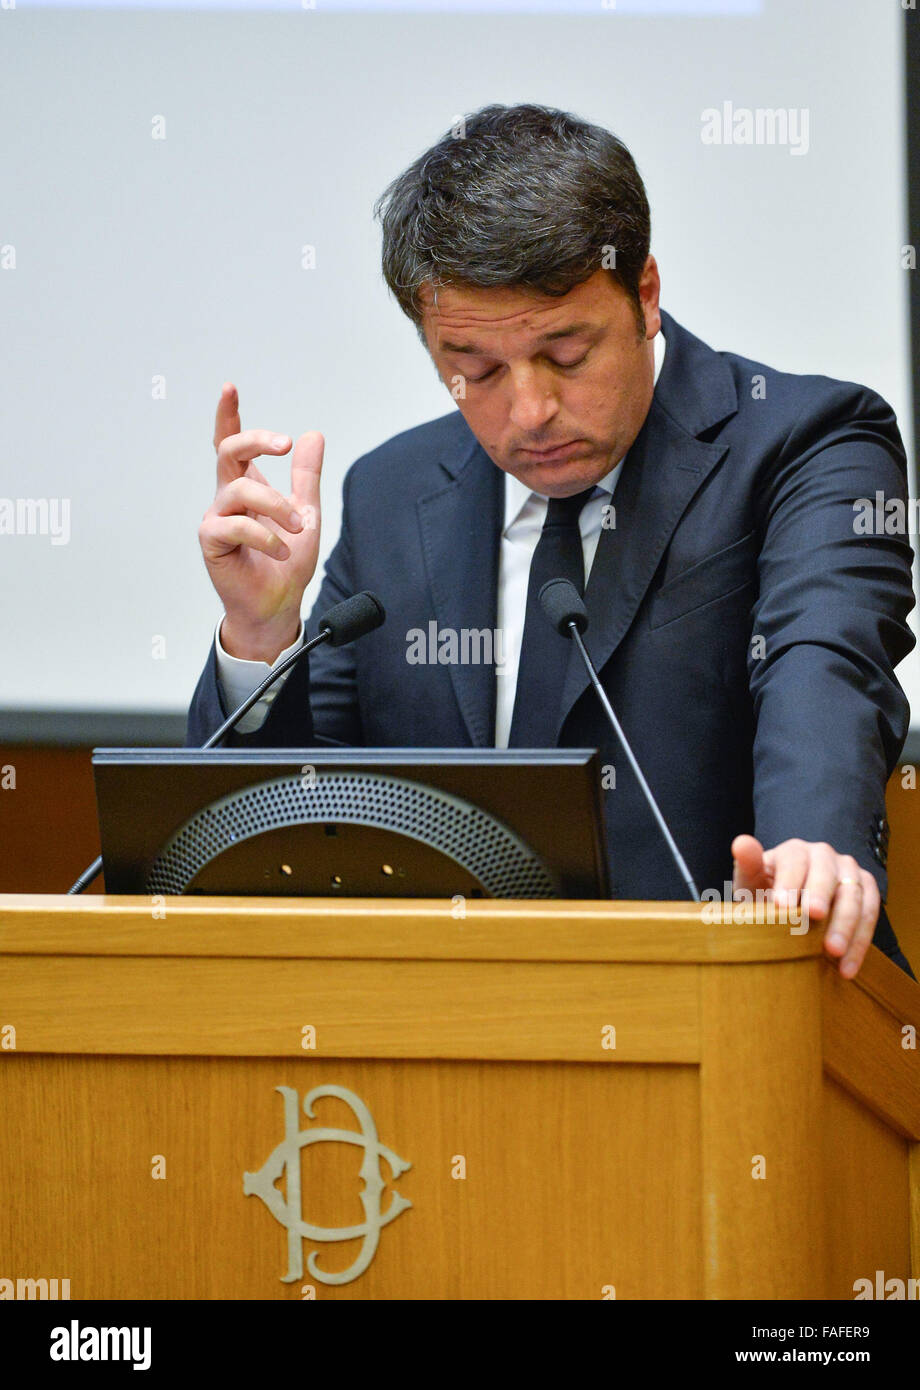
[558, 478]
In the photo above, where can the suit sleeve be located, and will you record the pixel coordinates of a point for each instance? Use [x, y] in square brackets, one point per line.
[829, 627]
[318, 702]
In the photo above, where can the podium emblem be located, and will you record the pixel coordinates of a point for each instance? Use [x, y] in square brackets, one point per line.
[288, 1210]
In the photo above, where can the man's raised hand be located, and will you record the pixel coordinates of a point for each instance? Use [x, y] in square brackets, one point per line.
[260, 548]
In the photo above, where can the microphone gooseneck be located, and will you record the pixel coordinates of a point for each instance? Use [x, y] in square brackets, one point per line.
[565, 609]
[344, 622]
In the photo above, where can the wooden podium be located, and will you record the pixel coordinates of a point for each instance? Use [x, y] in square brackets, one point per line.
[576, 1100]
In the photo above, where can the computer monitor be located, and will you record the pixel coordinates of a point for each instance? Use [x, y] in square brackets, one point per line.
[352, 822]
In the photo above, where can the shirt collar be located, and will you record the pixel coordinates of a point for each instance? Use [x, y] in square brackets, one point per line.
[517, 494]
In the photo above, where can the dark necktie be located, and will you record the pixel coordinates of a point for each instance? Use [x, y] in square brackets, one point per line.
[545, 652]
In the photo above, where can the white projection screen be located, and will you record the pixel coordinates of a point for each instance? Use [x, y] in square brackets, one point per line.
[163, 167]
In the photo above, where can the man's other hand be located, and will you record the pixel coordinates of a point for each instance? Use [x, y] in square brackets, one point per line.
[834, 887]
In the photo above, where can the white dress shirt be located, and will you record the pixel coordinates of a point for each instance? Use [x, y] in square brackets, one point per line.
[525, 513]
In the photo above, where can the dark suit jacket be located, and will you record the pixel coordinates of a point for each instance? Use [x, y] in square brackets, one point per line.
[744, 632]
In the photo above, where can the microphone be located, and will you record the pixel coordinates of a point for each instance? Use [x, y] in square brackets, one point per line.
[565, 609]
[344, 622]
[352, 618]
[563, 604]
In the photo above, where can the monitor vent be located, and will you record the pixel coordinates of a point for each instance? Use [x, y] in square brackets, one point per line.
[482, 845]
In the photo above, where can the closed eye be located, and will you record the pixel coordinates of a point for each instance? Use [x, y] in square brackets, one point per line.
[563, 366]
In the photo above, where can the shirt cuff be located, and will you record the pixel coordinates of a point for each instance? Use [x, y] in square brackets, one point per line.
[237, 679]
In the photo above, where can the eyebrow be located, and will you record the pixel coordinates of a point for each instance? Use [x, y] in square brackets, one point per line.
[476, 351]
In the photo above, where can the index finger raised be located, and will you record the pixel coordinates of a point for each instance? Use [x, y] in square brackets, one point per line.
[227, 419]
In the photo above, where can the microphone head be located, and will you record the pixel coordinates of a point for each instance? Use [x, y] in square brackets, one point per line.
[352, 618]
[563, 604]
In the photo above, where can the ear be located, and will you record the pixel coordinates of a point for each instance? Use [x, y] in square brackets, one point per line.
[649, 291]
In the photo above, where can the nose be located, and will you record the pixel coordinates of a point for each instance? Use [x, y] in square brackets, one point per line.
[533, 400]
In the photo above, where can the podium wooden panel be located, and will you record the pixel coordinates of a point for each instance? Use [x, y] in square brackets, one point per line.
[596, 1099]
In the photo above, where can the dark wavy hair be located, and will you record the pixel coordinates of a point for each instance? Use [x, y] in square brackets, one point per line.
[523, 196]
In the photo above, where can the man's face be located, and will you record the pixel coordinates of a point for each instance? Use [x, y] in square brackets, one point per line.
[556, 389]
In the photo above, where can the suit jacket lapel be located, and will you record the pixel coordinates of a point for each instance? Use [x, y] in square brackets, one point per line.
[461, 525]
[664, 468]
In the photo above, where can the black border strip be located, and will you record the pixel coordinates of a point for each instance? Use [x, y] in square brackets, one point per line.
[912, 116]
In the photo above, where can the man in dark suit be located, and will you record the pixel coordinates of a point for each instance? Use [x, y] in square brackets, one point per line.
[745, 629]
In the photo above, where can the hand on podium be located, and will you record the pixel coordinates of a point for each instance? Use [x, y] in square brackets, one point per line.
[832, 885]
